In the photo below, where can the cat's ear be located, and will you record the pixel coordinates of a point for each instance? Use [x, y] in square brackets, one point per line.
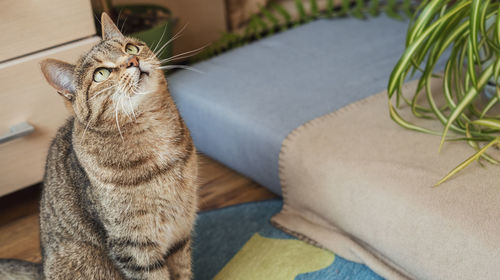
[61, 76]
[109, 29]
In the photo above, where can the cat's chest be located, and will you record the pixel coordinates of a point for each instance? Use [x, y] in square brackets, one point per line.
[155, 203]
[153, 212]
[156, 196]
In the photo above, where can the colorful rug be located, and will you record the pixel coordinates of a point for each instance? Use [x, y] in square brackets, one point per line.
[238, 242]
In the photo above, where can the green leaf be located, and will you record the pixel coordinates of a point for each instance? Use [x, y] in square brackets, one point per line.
[488, 106]
[447, 84]
[476, 147]
[302, 12]
[437, 112]
[498, 26]
[274, 20]
[329, 8]
[314, 8]
[423, 19]
[468, 98]
[407, 8]
[470, 63]
[482, 19]
[475, 20]
[397, 118]
[467, 162]
[374, 8]
[284, 13]
[475, 139]
[490, 123]
[390, 9]
[395, 79]
[344, 7]
[358, 10]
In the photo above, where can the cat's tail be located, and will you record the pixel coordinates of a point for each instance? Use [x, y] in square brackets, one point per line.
[11, 269]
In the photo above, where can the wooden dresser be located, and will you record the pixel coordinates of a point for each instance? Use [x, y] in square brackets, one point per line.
[31, 110]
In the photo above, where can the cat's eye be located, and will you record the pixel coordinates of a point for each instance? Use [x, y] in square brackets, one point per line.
[131, 49]
[101, 74]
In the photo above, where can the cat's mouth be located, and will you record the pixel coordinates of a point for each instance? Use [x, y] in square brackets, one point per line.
[142, 75]
[137, 79]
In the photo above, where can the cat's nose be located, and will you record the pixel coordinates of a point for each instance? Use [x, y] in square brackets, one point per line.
[133, 62]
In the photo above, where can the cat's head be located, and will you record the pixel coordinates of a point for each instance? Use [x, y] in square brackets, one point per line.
[113, 79]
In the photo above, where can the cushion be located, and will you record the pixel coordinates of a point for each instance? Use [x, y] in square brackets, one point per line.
[360, 185]
[248, 100]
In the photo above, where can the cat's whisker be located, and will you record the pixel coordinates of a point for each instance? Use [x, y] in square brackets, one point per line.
[118, 91]
[151, 59]
[123, 24]
[118, 122]
[177, 35]
[159, 41]
[97, 18]
[151, 56]
[148, 59]
[176, 58]
[120, 100]
[101, 91]
[184, 54]
[118, 18]
[85, 131]
[151, 63]
[144, 92]
[132, 108]
[181, 67]
[134, 91]
[158, 52]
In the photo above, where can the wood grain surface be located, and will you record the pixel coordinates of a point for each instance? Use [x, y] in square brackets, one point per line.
[27, 97]
[29, 26]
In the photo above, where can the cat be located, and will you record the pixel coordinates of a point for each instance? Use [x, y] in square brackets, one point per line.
[119, 199]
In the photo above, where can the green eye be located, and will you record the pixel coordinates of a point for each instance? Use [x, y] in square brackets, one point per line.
[101, 74]
[131, 49]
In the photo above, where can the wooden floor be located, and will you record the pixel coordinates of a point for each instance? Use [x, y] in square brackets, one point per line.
[19, 229]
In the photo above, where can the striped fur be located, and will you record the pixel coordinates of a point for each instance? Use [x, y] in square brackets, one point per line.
[11, 269]
[119, 198]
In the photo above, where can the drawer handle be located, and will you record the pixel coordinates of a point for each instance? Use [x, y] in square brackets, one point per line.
[16, 131]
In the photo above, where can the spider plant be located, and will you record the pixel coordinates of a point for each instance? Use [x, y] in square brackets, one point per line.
[469, 32]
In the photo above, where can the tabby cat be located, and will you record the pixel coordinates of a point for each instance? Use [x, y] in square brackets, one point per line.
[119, 197]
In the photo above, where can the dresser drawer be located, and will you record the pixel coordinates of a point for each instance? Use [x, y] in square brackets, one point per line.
[28, 26]
[26, 97]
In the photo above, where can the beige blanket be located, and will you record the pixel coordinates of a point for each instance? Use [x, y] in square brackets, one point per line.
[360, 185]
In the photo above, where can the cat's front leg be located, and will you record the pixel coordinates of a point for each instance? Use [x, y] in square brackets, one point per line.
[70, 259]
[139, 259]
[179, 261]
